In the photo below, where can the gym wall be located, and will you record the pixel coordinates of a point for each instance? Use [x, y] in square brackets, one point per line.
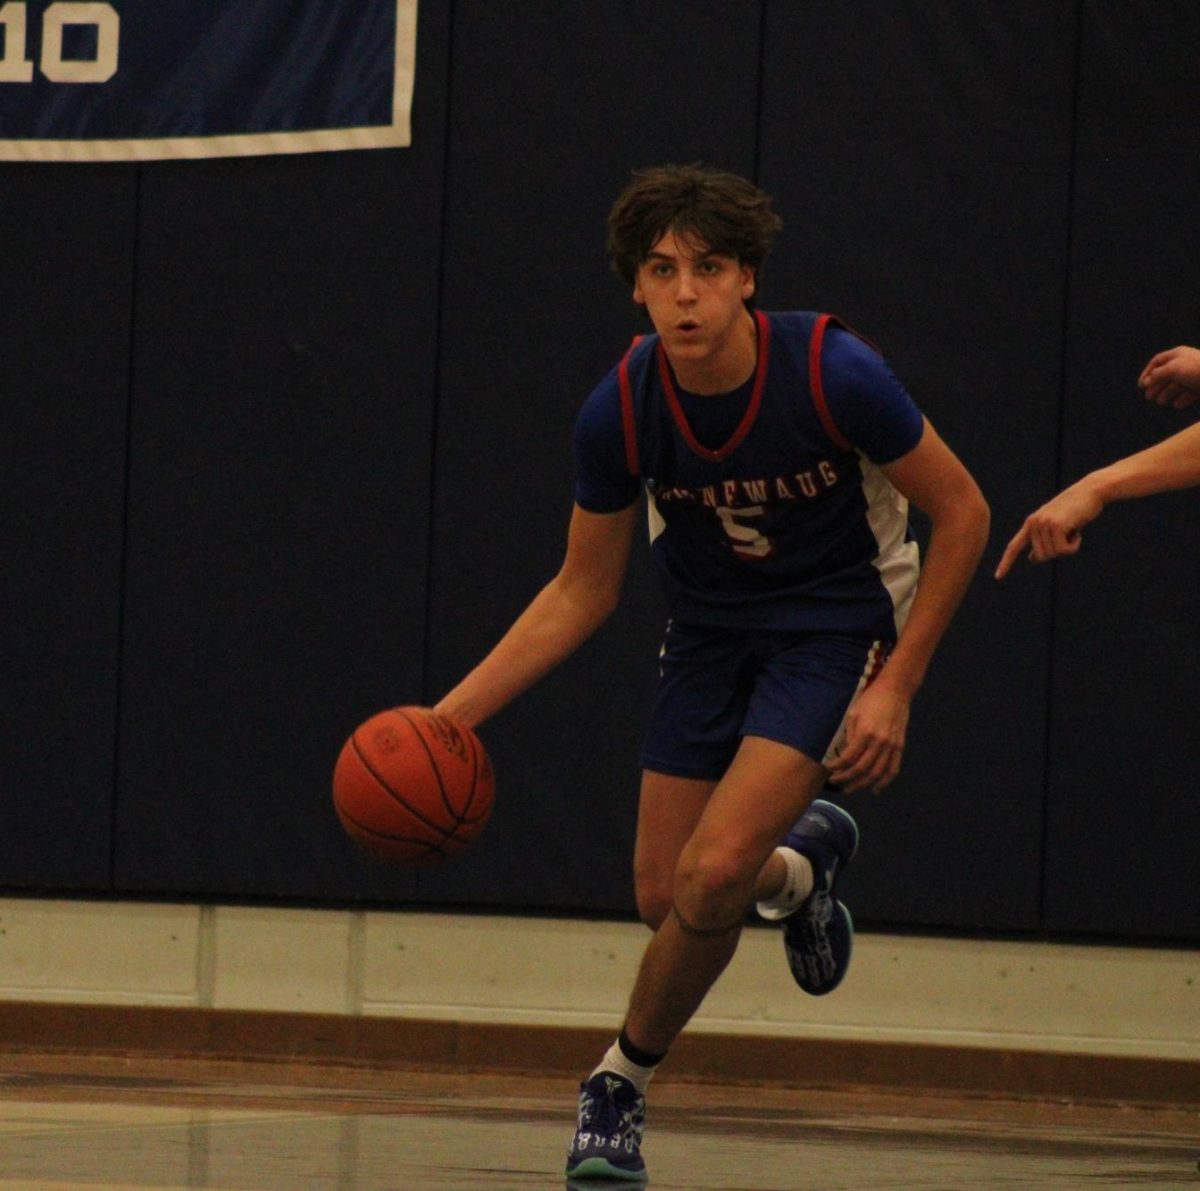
[287, 440]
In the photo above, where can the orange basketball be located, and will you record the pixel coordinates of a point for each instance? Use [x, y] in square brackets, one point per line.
[412, 786]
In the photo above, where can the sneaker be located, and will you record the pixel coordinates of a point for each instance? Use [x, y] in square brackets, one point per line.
[819, 935]
[612, 1116]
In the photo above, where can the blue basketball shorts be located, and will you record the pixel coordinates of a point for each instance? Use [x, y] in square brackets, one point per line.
[717, 685]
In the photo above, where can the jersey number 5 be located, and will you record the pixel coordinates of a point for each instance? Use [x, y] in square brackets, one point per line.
[746, 540]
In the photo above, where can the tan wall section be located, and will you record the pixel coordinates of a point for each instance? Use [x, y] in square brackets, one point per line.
[559, 972]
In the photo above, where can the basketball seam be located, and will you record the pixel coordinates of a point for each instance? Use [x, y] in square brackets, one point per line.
[436, 769]
[387, 835]
[392, 794]
[474, 774]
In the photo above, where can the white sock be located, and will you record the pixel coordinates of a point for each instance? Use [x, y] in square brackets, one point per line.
[797, 885]
[616, 1062]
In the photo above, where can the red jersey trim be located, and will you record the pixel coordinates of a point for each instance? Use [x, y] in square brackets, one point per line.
[752, 407]
[817, 385]
[628, 424]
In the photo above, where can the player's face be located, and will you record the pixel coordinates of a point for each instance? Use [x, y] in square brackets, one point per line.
[696, 301]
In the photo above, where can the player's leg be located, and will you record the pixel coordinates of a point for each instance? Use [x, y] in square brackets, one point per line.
[716, 876]
[669, 808]
[691, 738]
[803, 696]
[768, 786]
[690, 741]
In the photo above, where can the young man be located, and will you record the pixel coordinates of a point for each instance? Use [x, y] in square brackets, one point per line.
[778, 453]
[1171, 378]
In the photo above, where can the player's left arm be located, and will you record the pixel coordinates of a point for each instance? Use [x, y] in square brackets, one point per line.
[1054, 529]
[936, 482]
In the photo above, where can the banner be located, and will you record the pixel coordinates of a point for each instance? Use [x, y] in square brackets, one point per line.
[148, 79]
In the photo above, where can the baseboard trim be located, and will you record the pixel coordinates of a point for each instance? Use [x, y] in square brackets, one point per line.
[381, 1042]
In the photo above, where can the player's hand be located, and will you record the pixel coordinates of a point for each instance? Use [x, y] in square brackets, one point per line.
[1172, 377]
[1053, 530]
[876, 727]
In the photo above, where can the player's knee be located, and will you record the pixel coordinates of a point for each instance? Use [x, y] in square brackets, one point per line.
[712, 887]
[653, 891]
[653, 905]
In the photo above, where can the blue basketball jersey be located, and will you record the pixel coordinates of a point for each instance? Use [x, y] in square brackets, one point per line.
[767, 506]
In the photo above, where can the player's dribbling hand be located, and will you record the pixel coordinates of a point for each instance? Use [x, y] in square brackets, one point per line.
[876, 727]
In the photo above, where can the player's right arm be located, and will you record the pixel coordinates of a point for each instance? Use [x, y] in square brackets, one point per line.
[558, 620]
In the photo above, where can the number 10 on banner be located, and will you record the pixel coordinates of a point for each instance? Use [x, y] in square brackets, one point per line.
[16, 68]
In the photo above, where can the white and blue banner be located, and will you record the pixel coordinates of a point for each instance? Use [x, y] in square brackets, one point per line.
[139, 80]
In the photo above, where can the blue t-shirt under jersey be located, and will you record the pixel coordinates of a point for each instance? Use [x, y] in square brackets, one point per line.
[793, 528]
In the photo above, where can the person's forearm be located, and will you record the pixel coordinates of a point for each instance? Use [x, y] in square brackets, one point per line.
[558, 620]
[956, 544]
[1172, 463]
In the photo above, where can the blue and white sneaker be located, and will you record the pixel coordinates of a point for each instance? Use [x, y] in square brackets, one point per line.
[608, 1134]
[818, 936]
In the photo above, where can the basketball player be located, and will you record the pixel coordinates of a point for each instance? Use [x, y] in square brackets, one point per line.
[1170, 378]
[778, 453]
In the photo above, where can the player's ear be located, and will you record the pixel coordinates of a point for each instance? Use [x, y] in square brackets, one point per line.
[747, 283]
[638, 297]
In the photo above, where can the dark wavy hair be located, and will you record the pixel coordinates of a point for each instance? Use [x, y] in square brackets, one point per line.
[724, 212]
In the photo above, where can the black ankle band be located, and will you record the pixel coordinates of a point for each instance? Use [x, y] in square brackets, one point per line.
[635, 1054]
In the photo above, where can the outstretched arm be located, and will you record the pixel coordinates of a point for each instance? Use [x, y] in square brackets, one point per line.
[558, 620]
[1054, 529]
[1172, 377]
[934, 480]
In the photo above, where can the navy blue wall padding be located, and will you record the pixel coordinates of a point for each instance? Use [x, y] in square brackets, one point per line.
[65, 275]
[920, 156]
[281, 453]
[533, 319]
[1123, 818]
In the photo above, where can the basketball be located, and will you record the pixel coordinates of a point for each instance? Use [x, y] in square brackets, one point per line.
[412, 786]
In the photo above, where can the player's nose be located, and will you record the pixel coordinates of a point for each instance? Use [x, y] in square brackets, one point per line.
[685, 289]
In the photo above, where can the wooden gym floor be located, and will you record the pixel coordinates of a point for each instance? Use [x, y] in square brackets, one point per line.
[121, 1122]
